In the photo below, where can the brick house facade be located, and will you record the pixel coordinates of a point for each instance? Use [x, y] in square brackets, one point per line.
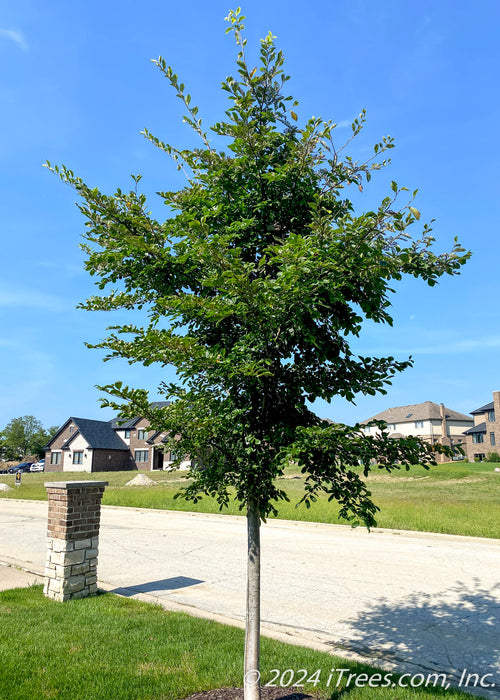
[434, 423]
[87, 445]
[484, 436]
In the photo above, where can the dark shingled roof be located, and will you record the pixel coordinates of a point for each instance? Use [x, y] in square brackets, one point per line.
[481, 428]
[123, 423]
[155, 435]
[489, 407]
[118, 424]
[98, 433]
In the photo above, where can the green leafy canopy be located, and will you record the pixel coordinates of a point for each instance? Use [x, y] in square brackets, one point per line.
[253, 290]
[23, 437]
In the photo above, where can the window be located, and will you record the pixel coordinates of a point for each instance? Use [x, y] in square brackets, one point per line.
[391, 426]
[78, 457]
[71, 428]
[492, 439]
[141, 455]
[491, 416]
[419, 424]
[127, 434]
[142, 434]
[55, 458]
[477, 438]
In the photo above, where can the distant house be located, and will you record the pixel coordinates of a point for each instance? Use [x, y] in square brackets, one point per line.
[484, 436]
[433, 422]
[82, 444]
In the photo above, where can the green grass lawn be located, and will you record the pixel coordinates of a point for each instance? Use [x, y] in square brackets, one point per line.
[112, 648]
[456, 498]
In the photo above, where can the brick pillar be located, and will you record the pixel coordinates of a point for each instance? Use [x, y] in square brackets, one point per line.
[73, 538]
[496, 405]
[495, 427]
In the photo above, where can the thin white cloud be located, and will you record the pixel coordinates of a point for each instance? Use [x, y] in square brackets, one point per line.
[461, 346]
[16, 37]
[450, 348]
[31, 300]
[71, 270]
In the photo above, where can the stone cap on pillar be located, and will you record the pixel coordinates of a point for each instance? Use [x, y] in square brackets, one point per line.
[74, 484]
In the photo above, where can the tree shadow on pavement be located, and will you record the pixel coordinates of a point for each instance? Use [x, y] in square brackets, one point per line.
[166, 584]
[448, 632]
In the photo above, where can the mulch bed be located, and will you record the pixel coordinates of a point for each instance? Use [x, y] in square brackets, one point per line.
[237, 694]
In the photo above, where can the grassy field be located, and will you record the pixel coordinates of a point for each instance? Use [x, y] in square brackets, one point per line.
[110, 647]
[457, 498]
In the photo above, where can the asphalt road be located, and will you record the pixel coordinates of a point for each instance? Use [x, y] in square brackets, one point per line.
[414, 602]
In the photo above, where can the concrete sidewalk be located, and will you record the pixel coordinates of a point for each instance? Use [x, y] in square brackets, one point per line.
[12, 576]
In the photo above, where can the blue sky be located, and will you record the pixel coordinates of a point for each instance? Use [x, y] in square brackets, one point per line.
[77, 86]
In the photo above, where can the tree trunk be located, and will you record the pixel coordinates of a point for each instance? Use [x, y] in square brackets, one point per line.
[252, 635]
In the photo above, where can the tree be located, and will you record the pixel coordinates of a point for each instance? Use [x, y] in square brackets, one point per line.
[24, 436]
[253, 290]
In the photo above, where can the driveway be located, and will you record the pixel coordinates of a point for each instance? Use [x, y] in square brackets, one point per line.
[414, 602]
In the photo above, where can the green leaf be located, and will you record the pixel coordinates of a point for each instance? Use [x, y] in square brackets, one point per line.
[251, 288]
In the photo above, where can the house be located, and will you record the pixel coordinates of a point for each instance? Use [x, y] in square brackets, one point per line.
[433, 422]
[82, 444]
[484, 436]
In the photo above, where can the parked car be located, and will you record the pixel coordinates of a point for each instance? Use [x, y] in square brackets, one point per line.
[22, 467]
[38, 466]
